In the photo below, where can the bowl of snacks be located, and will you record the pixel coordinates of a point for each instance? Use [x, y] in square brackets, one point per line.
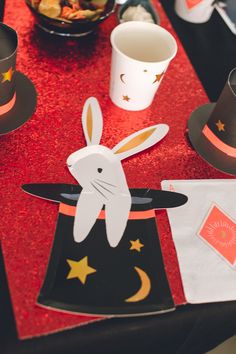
[138, 10]
[71, 18]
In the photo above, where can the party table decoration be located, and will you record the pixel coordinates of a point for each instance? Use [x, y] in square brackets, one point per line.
[195, 11]
[141, 55]
[17, 92]
[65, 73]
[96, 266]
[219, 232]
[212, 129]
[70, 18]
[70, 10]
[138, 10]
[204, 233]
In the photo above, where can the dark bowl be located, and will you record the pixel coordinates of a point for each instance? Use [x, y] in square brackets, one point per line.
[76, 28]
[145, 4]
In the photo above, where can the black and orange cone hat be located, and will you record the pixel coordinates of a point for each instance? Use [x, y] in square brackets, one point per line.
[17, 92]
[212, 129]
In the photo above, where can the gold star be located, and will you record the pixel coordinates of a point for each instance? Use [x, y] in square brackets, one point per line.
[158, 77]
[220, 126]
[80, 269]
[126, 98]
[8, 75]
[136, 245]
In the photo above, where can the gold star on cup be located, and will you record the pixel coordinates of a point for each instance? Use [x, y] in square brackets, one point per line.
[220, 126]
[136, 245]
[80, 269]
[158, 77]
[7, 76]
[126, 98]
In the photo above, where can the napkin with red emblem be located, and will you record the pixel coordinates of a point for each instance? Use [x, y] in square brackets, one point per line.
[204, 233]
[219, 232]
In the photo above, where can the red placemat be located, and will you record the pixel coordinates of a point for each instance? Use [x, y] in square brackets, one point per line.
[65, 73]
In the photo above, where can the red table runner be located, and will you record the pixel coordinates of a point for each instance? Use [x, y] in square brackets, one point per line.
[65, 73]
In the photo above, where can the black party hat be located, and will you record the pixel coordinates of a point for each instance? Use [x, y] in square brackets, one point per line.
[212, 129]
[17, 92]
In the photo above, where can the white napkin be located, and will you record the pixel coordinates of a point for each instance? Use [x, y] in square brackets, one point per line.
[206, 275]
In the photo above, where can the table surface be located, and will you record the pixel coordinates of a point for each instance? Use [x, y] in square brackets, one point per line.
[211, 48]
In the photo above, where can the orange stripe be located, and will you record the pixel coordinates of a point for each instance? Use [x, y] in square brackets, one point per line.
[133, 215]
[227, 149]
[8, 106]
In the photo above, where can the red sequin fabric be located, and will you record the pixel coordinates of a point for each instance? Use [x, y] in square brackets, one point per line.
[65, 73]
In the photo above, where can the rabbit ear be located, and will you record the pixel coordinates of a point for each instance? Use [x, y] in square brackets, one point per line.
[92, 121]
[140, 140]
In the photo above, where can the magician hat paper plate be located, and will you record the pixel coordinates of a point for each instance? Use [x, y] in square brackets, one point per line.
[106, 257]
[212, 127]
[17, 93]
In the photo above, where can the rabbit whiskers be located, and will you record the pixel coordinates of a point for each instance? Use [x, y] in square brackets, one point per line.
[102, 181]
[101, 189]
[98, 190]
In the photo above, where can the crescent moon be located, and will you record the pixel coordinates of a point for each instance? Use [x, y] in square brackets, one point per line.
[121, 77]
[145, 288]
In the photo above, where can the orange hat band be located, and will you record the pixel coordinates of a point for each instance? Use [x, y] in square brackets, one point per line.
[8, 106]
[133, 215]
[227, 149]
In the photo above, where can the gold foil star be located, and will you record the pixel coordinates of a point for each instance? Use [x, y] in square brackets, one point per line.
[158, 77]
[7, 76]
[136, 245]
[220, 126]
[126, 98]
[80, 269]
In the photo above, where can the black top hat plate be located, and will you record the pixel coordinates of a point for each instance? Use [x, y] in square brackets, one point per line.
[24, 107]
[93, 278]
[203, 146]
[17, 92]
[211, 129]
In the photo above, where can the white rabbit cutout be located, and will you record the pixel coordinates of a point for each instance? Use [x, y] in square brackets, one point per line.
[99, 172]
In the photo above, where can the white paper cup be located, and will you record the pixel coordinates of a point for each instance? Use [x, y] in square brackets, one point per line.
[141, 53]
[196, 11]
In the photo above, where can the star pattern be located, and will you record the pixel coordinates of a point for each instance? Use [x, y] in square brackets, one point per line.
[80, 269]
[158, 77]
[7, 76]
[220, 126]
[136, 245]
[126, 98]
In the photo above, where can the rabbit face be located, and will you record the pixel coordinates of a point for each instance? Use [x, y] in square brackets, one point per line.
[98, 170]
